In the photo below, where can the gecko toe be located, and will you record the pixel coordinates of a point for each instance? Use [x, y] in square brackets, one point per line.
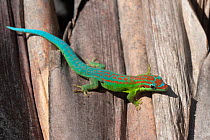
[138, 104]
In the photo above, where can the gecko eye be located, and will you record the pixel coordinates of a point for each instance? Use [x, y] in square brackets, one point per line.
[153, 87]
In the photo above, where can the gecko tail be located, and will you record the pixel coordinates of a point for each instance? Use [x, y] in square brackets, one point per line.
[72, 59]
[53, 39]
[63, 46]
[22, 30]
[13, 28]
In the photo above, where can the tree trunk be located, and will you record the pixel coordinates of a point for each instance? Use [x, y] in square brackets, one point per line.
[126, 36]
[18, 113]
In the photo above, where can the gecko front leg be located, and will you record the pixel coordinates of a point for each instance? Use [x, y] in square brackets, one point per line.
[131, 97]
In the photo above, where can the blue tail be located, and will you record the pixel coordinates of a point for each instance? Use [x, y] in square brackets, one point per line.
[74, 62]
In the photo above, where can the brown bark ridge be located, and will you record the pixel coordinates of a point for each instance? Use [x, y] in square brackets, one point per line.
[40, 15]
[19, 118]
[101, 115]
[202, 115]
[200, 109]
[136, 62]
[202, 10]
[197, 40]
[170, 57]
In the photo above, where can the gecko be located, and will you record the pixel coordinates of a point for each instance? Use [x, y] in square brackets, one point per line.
[96, 73]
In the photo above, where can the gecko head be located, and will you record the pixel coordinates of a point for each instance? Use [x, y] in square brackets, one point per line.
[160, 85]
[153, 83]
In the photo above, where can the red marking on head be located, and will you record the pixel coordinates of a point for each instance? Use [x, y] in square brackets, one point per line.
[122, 76]
[114, 77]
[138, 82]
[119, 78]
[158, 81]
[150, 78]
[163, 87]
[160, 84]
[125, 79]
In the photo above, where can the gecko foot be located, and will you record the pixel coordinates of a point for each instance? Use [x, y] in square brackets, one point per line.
[85, 92]
[138, 104]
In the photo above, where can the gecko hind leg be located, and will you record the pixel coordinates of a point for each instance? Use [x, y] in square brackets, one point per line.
[94, 64]
[85, 88]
